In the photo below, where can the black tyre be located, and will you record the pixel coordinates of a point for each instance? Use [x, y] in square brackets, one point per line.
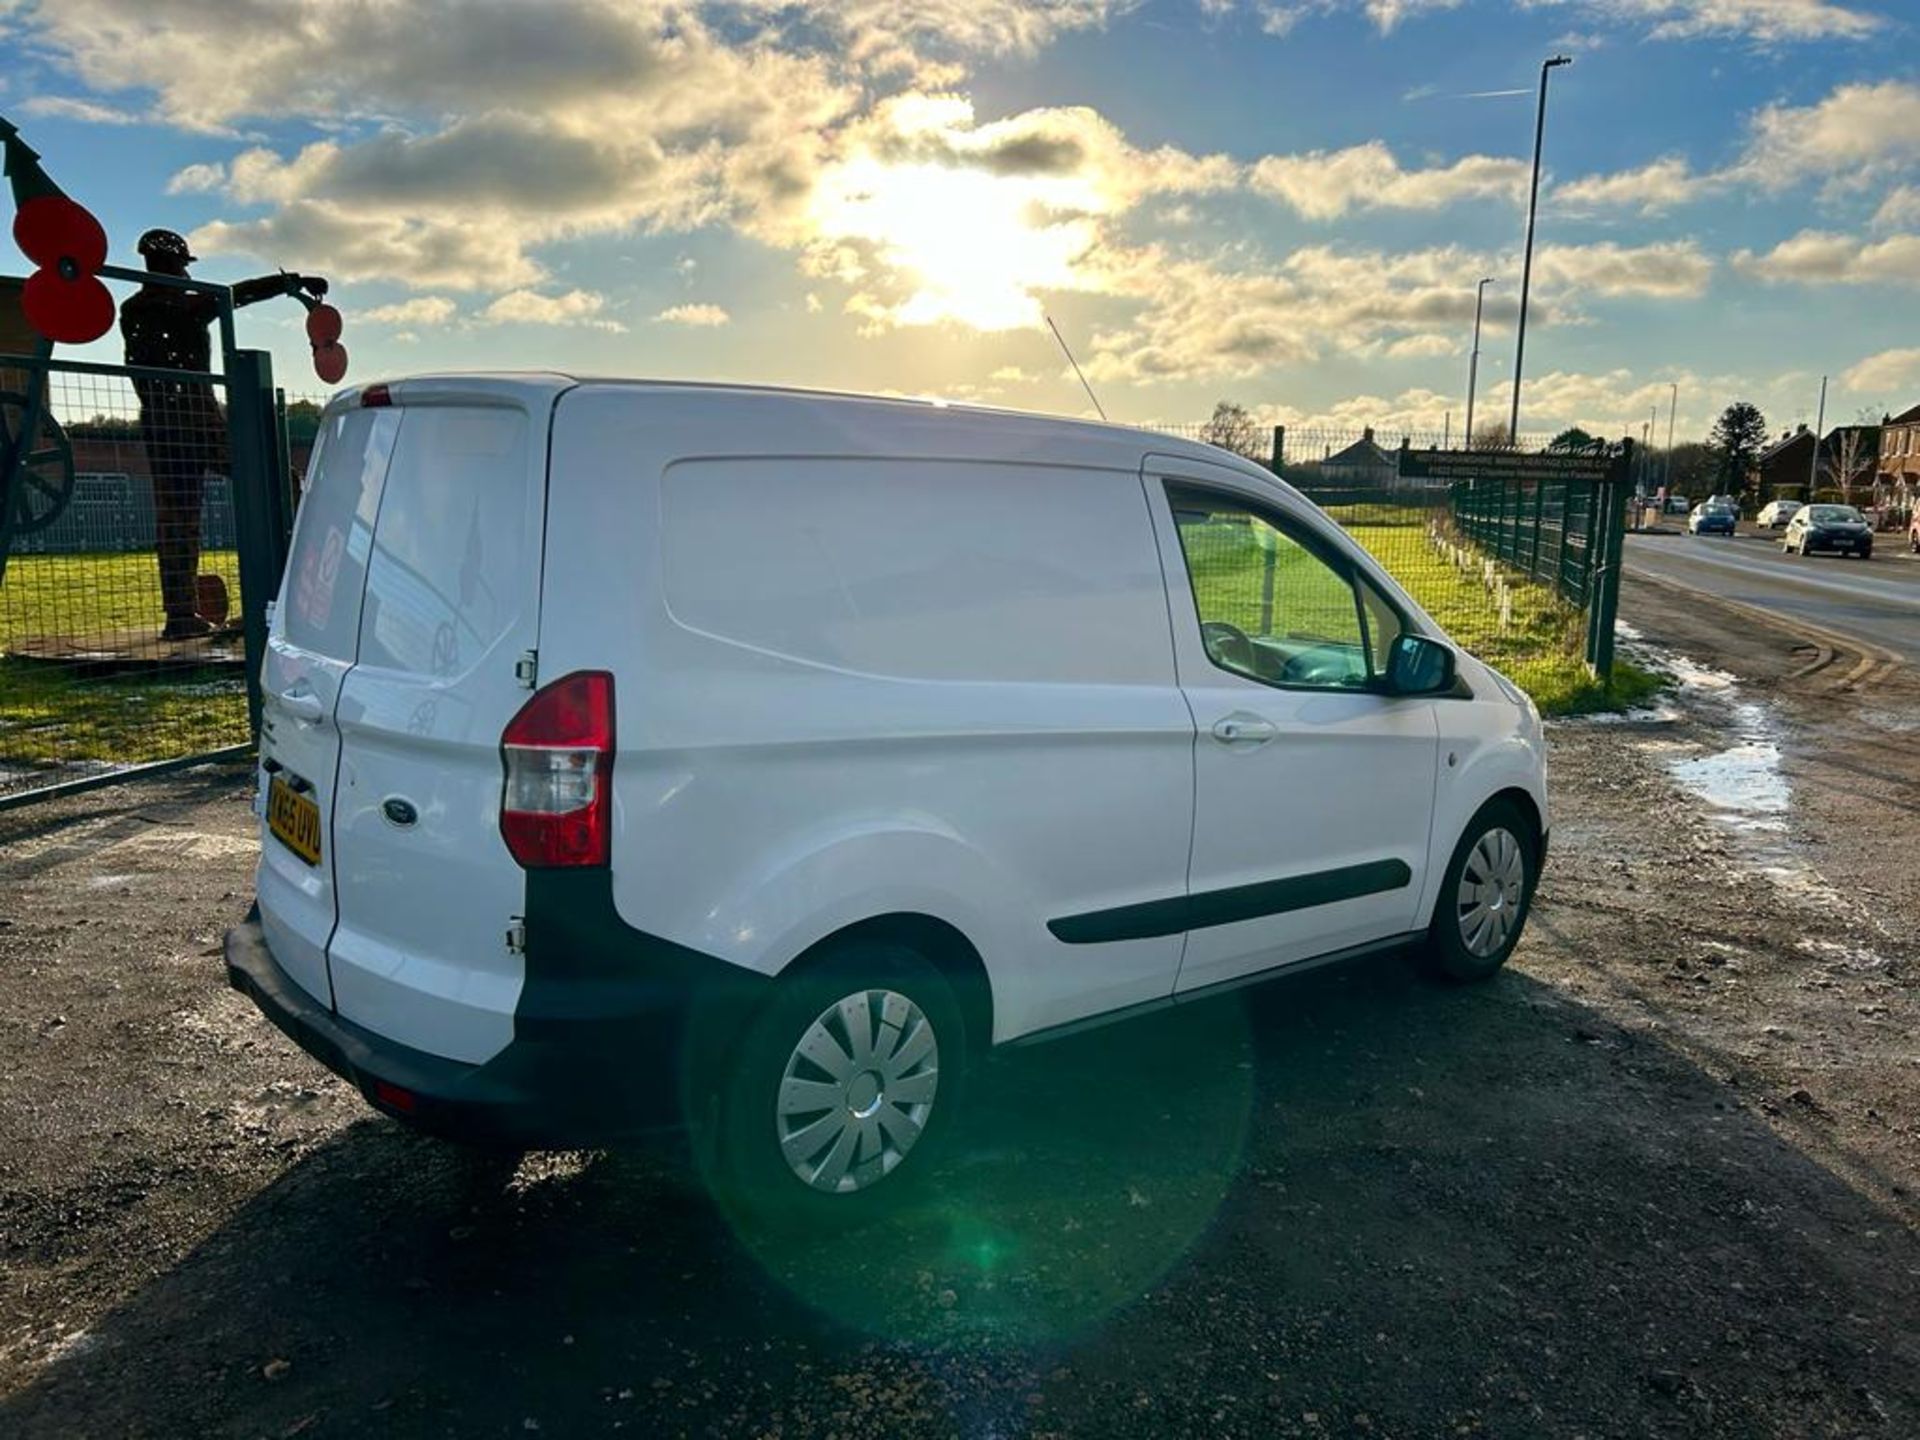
[1485, 895]
[843, 1091]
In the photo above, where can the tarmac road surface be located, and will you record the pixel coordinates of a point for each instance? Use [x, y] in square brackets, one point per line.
[1876, 600]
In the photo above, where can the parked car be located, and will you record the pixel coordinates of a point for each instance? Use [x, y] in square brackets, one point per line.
[645, 754]
[1775, 514]
[1678, 505]
[1711, 519]
[1839, 528]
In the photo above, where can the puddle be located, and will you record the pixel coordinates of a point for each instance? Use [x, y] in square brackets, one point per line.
[1743, 783]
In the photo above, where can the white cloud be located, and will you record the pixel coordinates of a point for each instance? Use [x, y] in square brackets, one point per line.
[1820, 257]
[87, 112]
[423, 310]
[1647, 190]
[320, 238]
[1901, 206]
[197, 180]
[698, 315]
[1890, 371]
[1326, 184]
[1670, 270]
[1422, 347]
[1766, 21]
[529, 307]
[1855, 133]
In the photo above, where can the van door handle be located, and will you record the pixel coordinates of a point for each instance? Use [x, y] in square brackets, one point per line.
[1240, 728]
[302, 704]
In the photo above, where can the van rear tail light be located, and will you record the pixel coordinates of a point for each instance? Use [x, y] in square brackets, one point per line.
[557, 804]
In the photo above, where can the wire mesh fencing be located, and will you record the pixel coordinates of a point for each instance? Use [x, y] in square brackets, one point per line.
[120, 640]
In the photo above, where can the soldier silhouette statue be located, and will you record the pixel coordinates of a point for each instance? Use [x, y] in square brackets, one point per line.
[180, 420]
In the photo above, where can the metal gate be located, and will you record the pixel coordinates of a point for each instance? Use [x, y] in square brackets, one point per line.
[91, 690]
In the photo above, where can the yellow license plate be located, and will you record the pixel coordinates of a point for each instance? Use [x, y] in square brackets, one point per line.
[294, 820]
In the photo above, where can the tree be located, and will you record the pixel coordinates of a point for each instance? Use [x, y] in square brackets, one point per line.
[1573, 438]
[1690, 468]
[1737, 436]
[1846, 461]
[303, 422]
[1492, 437]
[105, 427]
[1232, 428]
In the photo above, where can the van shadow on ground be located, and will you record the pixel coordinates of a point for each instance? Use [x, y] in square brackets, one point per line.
[1355, 1197]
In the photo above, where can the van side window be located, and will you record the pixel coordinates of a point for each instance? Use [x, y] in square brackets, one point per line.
[1270, 608]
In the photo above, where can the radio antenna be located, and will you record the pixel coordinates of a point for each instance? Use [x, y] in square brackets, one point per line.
[1076, 367]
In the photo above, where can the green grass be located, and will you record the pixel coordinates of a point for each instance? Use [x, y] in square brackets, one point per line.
[1542, 648]
[57, 714]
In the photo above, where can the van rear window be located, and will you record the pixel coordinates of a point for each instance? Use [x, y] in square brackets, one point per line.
[450, 568]
[327, 567]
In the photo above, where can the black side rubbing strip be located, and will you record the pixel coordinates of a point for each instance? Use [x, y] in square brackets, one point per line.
[1224, 907]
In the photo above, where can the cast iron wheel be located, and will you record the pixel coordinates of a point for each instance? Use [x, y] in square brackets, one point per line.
[40, 489]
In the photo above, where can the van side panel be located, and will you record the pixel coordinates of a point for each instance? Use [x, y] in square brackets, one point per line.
[872, 660]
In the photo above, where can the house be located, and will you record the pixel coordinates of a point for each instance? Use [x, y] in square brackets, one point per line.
[1362, 463]
[1781, 470]
[1845, 463]
[1897, 473]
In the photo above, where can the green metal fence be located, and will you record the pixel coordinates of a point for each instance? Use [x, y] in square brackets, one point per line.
[95, 685]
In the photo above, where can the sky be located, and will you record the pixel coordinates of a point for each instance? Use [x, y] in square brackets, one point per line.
[1283, 203]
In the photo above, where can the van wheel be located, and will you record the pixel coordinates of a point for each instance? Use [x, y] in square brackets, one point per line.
[844, 1089]
[1485, 895]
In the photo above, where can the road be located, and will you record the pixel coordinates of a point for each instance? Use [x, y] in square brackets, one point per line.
[1878, 601]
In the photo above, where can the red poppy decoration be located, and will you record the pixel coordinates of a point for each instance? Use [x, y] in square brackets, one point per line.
[64, 299]
[330, 362]
[323, 325]
[70, 312]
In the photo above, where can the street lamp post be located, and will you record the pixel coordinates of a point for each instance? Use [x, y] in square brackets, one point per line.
[1526, 266]
[1473, 360]
[1673, 407]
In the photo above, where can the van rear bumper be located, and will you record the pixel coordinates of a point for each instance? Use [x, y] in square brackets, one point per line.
[604, 1076]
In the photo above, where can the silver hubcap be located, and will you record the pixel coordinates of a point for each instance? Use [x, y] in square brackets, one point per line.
[857, 1091]
[1493, 884]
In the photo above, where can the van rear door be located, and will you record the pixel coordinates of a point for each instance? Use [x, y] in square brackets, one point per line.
[427, 891]
[310, 648]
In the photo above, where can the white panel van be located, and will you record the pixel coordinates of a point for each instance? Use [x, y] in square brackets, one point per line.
[642, 755]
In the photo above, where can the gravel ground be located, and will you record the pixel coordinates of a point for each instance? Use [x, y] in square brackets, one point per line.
[1658, 1178]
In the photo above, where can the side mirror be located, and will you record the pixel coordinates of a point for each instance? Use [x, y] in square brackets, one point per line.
[1419, 666]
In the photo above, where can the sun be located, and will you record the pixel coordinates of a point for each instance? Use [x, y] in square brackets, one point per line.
[969, 246]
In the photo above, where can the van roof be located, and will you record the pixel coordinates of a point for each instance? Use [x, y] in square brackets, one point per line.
[452, 385]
